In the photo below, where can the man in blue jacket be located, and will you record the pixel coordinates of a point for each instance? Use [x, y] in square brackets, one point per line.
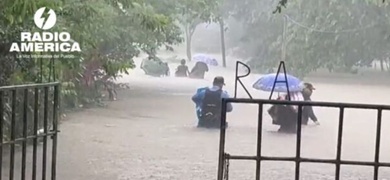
[208, 101]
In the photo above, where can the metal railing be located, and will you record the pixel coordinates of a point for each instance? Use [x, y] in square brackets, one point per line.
[298, 159]
[28, 114]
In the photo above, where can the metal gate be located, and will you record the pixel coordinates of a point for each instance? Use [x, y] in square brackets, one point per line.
[224, 157]
[29, 116]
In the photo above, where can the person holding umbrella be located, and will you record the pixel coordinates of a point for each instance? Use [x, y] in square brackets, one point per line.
[199, 70]
[203, 62]
[307, 111]
[285, 116]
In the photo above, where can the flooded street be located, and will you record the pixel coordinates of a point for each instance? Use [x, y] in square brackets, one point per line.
[149, 133]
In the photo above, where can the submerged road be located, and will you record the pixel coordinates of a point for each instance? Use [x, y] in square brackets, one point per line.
[149, 134]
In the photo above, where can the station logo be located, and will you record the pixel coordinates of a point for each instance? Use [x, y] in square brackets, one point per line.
[50, 42]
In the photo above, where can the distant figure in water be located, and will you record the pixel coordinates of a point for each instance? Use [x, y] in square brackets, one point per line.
[307, 111]
[182, 69]
[208, 104]
[199, 70]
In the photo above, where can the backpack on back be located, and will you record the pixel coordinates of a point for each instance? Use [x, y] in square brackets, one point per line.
[211, 106]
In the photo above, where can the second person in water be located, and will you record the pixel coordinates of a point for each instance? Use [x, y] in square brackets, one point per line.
[182, 69]
[197, 72]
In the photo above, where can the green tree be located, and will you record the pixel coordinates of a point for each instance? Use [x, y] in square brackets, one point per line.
[340, 36]
[283, 3]
[110, 33]
[191, 13]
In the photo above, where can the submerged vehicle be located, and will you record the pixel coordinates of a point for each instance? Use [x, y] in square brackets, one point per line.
[154, 66]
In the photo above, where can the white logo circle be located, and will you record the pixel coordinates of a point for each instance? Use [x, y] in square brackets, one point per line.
[45, 18]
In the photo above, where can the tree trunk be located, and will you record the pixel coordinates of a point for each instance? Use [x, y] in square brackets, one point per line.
[188, 47]
[382, 65]
[222, 28]
[188, 42]
[190, 30]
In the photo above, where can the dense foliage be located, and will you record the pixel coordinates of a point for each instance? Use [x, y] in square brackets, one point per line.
[309, 35]
[110, 34]
[191, 13]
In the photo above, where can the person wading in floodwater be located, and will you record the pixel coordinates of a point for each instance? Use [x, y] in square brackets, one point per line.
[199, 70]
[208, 103]
[307, 111]
[182, 69]
[285, 116]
